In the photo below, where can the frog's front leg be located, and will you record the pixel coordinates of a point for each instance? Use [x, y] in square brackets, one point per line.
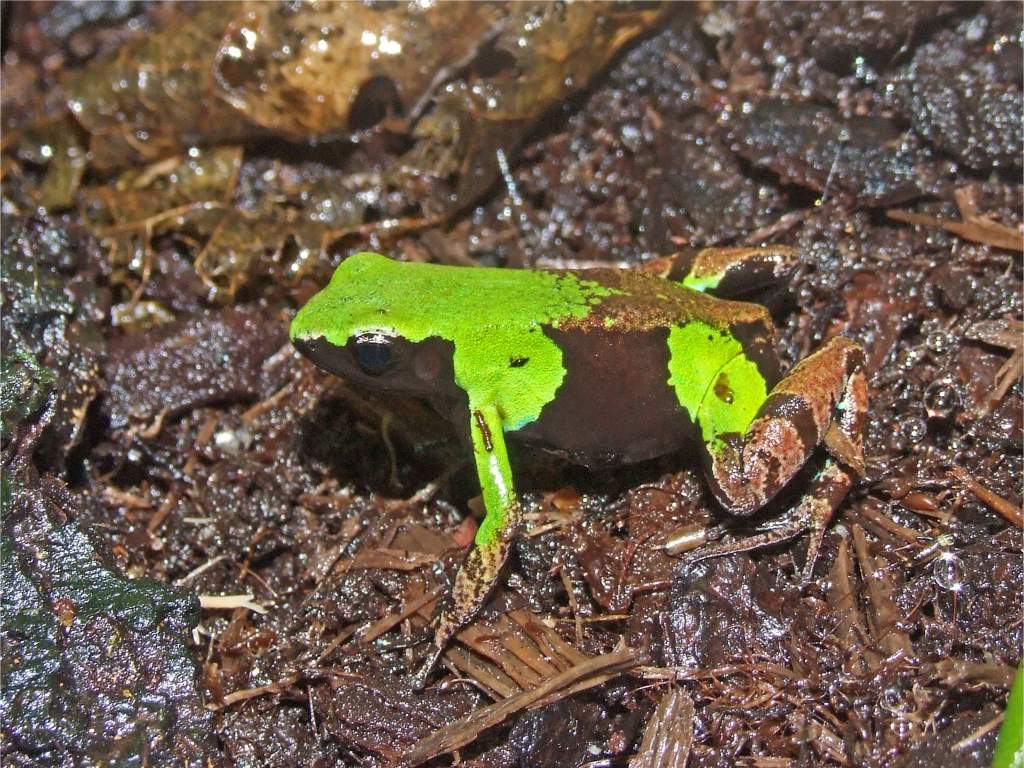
[728, 272]
[481, 569]
[823, 400]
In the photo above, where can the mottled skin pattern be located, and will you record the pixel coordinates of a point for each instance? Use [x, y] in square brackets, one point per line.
[822, 400]
[604, 367]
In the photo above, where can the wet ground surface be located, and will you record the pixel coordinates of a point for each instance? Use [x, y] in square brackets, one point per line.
[172, 192]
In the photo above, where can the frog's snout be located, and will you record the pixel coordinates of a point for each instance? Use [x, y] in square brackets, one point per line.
[322, 352]
[301, 344]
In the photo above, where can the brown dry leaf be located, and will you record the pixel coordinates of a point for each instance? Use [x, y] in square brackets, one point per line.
[1005, 333]
[235, 71]
[555, 50]
[58, 143]
[1012, 513]
[164, 195]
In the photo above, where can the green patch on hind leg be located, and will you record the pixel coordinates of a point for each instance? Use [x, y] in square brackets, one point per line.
[718, 386]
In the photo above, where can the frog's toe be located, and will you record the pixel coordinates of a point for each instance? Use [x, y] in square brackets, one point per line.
[419, 680]
[844, 449]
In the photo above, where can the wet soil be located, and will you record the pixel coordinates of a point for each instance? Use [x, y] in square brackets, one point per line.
[214, 553]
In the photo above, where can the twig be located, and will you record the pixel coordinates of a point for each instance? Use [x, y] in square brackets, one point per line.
[161, 514]
[1011, 513]
[841, 598]
[589, 673]
[383, 625]
[484, 676]
[573, 605]
[344, 635]
[200, 570]
[887, 631]
[1010, 371]
[668, 736]
[884, 521]
[954, 672]
[978, 230]
[972, 737]
[251, 693]
[230, 602]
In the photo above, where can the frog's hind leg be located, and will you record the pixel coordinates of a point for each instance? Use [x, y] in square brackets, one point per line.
[823, 400]
[481, 569]
[728, 272]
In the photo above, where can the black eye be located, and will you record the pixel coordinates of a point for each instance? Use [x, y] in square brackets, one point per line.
[372, 351]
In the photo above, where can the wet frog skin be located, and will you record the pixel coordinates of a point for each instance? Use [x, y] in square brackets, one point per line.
[603, 366]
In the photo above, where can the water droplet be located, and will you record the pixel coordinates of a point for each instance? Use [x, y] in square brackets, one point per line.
[233, 442]
[940, 342]
[891, 700]
[948, 572]
[902, 727]
[250, 37]
[914, 430]
[941, 399]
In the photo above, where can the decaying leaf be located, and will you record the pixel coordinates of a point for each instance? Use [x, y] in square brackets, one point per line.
[236, 71]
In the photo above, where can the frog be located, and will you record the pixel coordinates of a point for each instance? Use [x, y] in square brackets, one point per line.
[602, 366]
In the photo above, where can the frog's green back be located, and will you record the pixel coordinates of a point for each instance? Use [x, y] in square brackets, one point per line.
[494, 318]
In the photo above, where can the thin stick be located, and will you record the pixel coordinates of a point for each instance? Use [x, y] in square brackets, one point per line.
[1010, 512]
[467, 730]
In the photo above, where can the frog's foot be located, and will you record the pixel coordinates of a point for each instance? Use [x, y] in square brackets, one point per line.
[812, 514]
[474, 582]
[728, 272]
[822, 401]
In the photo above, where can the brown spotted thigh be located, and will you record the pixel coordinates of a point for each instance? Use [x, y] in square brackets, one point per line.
[823, 400]
[746, 471]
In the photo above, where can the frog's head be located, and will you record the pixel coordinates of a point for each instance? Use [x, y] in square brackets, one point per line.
[367, 326]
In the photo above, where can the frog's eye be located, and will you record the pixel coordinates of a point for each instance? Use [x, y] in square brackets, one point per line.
[373, 352]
